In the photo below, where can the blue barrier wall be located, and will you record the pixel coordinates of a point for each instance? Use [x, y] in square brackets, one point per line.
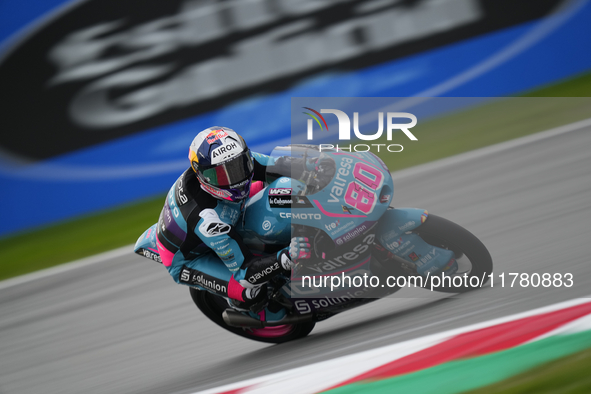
[132, 167]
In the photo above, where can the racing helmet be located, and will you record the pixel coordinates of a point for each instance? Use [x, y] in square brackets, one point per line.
[223, 163]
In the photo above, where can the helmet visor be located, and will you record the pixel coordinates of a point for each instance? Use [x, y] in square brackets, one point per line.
[231, 173]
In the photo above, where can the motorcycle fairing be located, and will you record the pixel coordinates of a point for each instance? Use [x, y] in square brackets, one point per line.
[352, 258]
[402, 220]
[266, 224]
[328, 306]
[395, 235]
[337, 208]
[146, 244]
[345, 197]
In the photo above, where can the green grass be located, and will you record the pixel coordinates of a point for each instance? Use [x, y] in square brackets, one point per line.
[455, 133]
[566, 375]
[82, 237]
[489, 124]
[579, 86]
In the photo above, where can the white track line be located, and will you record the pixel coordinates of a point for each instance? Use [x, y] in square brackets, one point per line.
[492, 149]
[97, 258]
[414, 171]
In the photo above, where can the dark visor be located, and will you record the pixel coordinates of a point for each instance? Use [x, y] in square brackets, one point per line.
[229, 173]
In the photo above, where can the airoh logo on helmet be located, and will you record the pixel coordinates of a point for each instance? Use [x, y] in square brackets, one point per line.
[222, 162]
[225, 149]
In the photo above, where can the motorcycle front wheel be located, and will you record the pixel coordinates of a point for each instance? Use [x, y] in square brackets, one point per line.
[472, 257]
[213, 306]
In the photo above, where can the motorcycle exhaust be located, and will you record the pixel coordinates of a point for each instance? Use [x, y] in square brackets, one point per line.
[237, 319]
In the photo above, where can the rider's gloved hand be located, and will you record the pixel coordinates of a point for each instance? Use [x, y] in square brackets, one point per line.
[256, 298]
[284, 259]
[299, 248]
[311, 164]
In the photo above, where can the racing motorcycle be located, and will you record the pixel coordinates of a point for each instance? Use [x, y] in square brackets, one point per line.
[340, 202]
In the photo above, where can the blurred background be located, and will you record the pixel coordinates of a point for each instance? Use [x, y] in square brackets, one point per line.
[100, 100]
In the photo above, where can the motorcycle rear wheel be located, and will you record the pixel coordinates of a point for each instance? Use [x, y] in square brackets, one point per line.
[472, 257]
[213, 306]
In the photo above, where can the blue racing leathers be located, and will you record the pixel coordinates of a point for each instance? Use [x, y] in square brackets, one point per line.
[199, 246]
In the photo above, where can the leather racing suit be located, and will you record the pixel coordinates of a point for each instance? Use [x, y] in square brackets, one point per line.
[198, 244]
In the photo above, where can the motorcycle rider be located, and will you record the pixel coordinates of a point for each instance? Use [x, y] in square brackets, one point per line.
[196, 238]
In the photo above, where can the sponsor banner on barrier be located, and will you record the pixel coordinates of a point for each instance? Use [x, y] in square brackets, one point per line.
[99, 71]
[102, 100]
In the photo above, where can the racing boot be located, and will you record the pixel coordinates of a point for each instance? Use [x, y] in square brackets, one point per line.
[270, 314]
[251, 299]
[256, 298]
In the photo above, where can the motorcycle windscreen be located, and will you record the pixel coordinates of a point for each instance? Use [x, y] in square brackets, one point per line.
[327, 239]
[300, 162]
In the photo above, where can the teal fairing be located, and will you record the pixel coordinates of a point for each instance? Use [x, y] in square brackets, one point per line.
[335, 192]
[341, 202]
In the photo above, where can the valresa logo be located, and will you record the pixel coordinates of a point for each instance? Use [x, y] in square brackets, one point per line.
[345, 129]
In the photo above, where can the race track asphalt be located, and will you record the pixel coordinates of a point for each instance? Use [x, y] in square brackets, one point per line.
[123, 326]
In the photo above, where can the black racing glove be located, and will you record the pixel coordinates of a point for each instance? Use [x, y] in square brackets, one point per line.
[255, 299]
